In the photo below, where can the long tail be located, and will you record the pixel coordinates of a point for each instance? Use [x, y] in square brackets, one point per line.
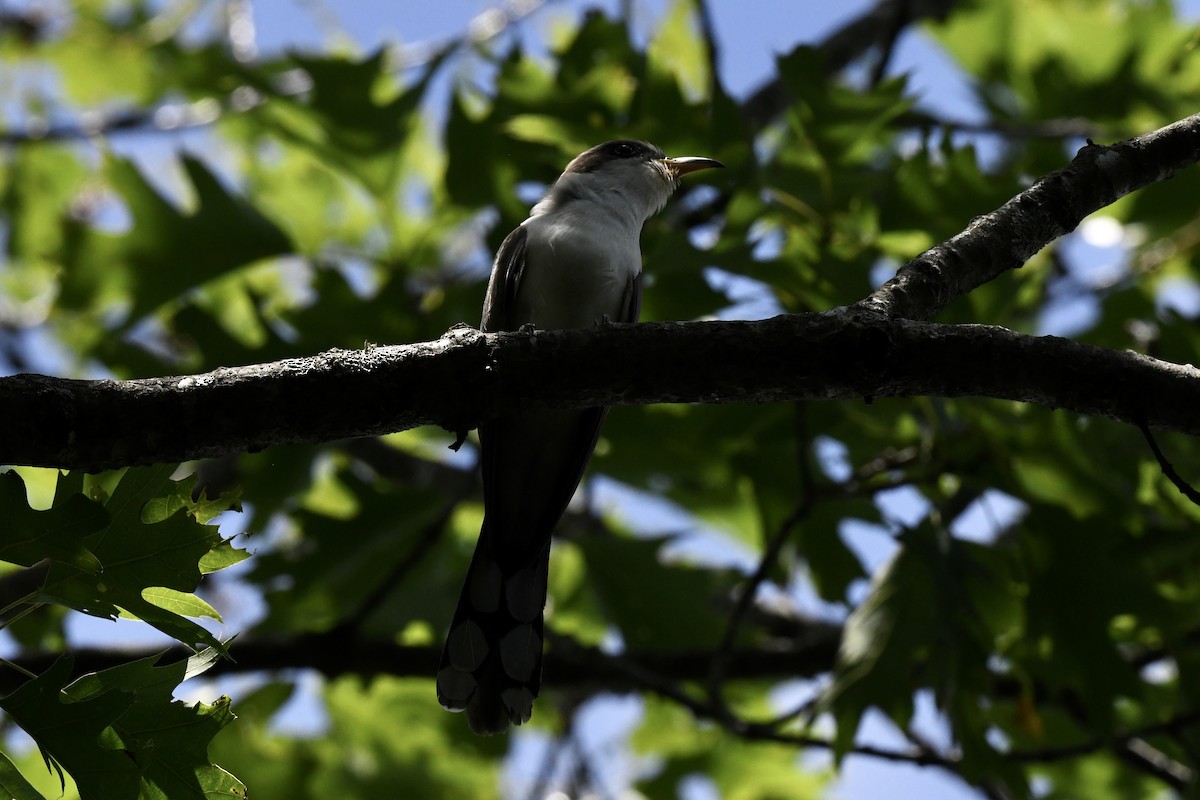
[491, 666]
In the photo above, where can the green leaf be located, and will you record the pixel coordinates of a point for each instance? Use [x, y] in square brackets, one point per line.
[58, 533]
[203, 509]
[167, 740]
[137, 557]
[168, 250]
[1026, 65]
[933, 615]
[1081, 645]
[678, 50]
[644, 446]
[656, 606]
[740, 769]
[353, 117]
[833, 566]
[71, 731]
[332, 582]
[35, 220]
[222, 556]
[103, 60]
[383, 733]
[13, 785]
[844, 128]
[181, 603]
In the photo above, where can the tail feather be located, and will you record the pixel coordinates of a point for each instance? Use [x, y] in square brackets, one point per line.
[491, 665]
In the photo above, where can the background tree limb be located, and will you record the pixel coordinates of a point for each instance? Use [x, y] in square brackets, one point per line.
[1009, 236]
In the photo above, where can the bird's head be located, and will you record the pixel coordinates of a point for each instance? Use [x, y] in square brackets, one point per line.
[625, 171]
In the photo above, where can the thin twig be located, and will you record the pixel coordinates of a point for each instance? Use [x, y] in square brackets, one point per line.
[18, 668]
[545, 773]
[840, 49]
[1146, 758]
[587, 779]
[1167, 469]
[920, 755]
[430, 534]
[1048, 755]
[901, 16]
[769, 557]
[705, 709]
[29, 598]
[1064, 128]
[708, 30]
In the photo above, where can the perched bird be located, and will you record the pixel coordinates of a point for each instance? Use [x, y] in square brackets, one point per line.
[573, 263]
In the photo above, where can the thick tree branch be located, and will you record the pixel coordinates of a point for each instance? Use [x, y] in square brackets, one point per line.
[566, 664]
[339, 653]
[467, 376]
[569, 664]
[1009, 236]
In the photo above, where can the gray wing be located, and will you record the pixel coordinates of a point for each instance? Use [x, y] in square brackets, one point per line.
[502, 286]
[631, 303]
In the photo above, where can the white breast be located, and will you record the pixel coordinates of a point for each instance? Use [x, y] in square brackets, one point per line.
[578, 268]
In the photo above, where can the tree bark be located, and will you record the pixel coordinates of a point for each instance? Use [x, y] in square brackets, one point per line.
[467, 376]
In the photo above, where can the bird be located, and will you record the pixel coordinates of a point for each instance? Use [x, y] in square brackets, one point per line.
[575, 263]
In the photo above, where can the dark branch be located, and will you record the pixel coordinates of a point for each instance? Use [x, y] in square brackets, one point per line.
[1009, 236]
[648, 679]
[844, 46]
[566, 666]
[1167, 468]
[891, 35]
[1142, 756]
[708, 31]
[1063, 128]
[1175, 725]
[569, 665]
[29, 26]
[467, 376]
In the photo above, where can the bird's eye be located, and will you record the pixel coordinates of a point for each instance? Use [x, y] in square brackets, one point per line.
[624, 150]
